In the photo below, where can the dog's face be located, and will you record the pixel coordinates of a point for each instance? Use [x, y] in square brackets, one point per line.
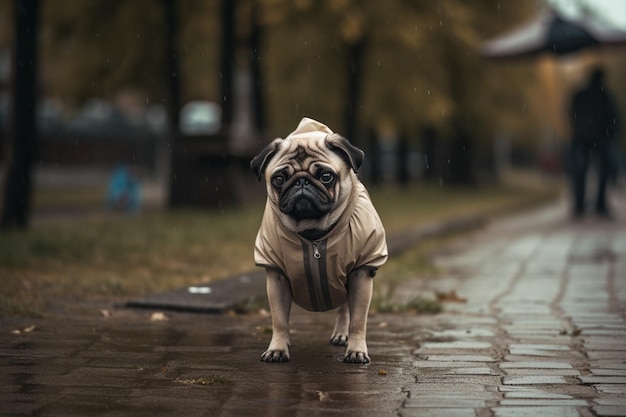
[309, 178]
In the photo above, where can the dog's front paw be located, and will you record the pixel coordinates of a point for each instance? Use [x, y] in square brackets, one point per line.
[339, 339]
[275, 356]
[356, 357]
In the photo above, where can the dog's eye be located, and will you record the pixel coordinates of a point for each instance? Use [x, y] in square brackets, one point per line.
[278, 180]
[327, 177]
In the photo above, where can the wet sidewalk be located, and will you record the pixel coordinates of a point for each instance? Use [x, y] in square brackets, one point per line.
[542, 333]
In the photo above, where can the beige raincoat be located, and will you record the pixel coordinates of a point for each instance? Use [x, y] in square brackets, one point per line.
[318, 270]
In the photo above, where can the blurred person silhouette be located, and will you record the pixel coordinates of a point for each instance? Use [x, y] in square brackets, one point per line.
[124, 191]
[595, 131]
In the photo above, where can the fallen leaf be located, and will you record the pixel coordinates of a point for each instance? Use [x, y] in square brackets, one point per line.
[158, 316]
[28, 329]
[24, 330]
[449, 297]
[322, 396]
[105, 313]
[382, 372]
[265, 329]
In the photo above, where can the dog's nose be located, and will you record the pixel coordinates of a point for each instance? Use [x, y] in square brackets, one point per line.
[301, 182]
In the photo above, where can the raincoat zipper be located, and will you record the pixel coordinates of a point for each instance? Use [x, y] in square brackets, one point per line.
[316, 252]
[317, 276]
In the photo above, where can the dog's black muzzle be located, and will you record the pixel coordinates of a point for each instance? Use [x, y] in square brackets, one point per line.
[304, 197]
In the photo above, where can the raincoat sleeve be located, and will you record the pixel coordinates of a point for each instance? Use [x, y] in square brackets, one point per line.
[371, 242]
[266, 241]
[374, 251]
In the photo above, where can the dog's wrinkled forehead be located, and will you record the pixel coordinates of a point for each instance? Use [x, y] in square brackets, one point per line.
[312, 144]
[302, 153]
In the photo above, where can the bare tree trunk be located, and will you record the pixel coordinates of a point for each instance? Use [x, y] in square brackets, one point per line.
[173, 89]
[354, 74]
[22, 129]
[227, 61]
[257, 73]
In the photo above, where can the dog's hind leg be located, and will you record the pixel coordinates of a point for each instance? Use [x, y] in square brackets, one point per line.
[360, 287]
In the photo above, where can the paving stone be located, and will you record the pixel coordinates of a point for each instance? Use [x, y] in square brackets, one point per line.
[592, 379]
[607, 364]
[514, 391]
[572, 391]
[437, 412]
[569, 356]
[616, 345]
[446, 386]
[608, 372]
[532, 380]
[442, 364]
[605, 354]
[433, 378]
[444, 403]
[521, 332]
[610, 410]
[477, 370]
[591, 326]
[516, 309]
[461, 333]
[553, 339]
[460, 358]
[541, 321]
[610, 401]
[535, 412]
[533, 352]
[539, 346]
[543, 372]
[604, 340]
[469, 308]
[551, 402]
[448, 393]
[536, 365]
[468, 321]
[602, 318]
[459, 344]
[605, 332]
[611, 388]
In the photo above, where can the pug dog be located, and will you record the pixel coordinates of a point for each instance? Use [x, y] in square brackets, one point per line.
[320, 241]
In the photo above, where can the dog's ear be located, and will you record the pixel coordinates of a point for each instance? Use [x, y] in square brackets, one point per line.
[348, 152]
[259, 162]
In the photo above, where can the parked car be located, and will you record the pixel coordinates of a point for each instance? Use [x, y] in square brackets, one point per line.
[200, 118]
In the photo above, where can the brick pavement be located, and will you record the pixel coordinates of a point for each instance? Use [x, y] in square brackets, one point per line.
[543, 333]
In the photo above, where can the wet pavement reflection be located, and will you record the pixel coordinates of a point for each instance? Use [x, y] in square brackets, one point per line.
[192, 364]
[538, 328]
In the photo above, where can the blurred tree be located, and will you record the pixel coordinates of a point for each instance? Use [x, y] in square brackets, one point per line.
[410, 63]
[227, 60]
[23, 144]
[303, 48]
[96, 48]
[414, 51]
[256, 64]
[350, 63]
